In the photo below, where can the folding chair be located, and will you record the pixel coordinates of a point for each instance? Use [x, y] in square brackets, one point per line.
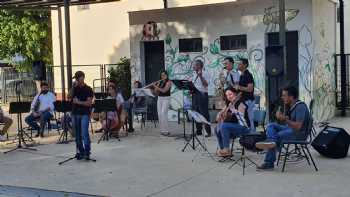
[302, 144]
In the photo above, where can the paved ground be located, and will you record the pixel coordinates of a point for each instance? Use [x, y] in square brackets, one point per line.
[146, 164]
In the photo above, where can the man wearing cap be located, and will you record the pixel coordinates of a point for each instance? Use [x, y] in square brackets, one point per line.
[42, 109]
[81, 96]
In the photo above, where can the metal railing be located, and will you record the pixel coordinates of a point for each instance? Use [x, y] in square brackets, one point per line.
[337, 70]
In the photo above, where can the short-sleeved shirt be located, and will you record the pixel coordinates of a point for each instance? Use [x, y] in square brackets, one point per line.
[245, 79]
[82, 93]
[198, 82]
[299, 112]
[231, 77]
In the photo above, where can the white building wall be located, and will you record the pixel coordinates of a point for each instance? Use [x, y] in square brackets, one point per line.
[100, 33]
[211, 22]
[324, 39]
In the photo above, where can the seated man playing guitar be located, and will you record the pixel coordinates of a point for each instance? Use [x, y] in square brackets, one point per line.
[293, 125]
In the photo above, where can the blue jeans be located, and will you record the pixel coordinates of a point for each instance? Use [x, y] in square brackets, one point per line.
[276, 133]
[227, 131]
[250, 110]
[80, 125]
[32, 121]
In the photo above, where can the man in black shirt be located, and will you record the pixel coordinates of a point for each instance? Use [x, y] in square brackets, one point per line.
[246, 86]
[81, 96]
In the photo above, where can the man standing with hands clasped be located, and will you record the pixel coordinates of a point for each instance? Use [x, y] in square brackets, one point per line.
[81, 96]
[200, 98]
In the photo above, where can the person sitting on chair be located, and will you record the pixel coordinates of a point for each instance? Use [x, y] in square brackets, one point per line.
[114, 119]
[233, 121]
[42, 109]
[293, 126]
[7, 121]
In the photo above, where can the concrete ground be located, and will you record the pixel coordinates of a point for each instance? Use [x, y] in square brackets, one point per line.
[147, 164]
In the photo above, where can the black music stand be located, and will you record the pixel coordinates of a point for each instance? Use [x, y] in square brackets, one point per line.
[106, 105]
[196, 118]
[100, 95]
[185, 85]
[63, 107]
[19, 108]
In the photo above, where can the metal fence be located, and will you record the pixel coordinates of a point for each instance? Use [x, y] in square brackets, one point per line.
[13, 82]
[338, 73]
[96, 77]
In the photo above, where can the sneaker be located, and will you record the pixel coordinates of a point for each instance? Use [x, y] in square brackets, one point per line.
[208, 135]
[199, 132]
[130, 130]
[265, 166]
[266, 145]
[79, 156]
[87, 157]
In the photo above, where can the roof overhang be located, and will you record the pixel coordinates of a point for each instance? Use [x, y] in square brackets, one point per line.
[45, 4]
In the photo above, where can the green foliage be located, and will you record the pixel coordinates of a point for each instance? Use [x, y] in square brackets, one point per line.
[25, 34]
[120, 74]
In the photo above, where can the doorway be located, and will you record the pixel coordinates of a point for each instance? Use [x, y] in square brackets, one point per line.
[154, 60]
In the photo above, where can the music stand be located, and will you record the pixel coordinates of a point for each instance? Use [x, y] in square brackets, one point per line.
[196, 118]
[185, 85]
[19, 108]
[106, 105]
[100, 95]
[63, 107]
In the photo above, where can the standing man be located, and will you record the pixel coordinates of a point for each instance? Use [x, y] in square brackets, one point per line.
[42, 109]
[200, 98]
[246, 86]
[81, 96]
[231, 75]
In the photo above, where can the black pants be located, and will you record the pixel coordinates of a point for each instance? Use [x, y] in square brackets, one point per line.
[200, 104]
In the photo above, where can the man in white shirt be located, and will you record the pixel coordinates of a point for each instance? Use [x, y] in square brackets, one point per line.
[231, 75]
[42, 109]
[200, 98]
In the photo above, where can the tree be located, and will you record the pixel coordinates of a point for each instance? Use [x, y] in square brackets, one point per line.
[120, 75]
[25, 37]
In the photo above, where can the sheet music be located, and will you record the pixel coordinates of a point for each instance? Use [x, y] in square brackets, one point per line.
[143, 92]
[199, 118]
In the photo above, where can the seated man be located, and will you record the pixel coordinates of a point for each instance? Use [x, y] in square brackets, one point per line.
[42, 109]
[294, 126]
[7, 121]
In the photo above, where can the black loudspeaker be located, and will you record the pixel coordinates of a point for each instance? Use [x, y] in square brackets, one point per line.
[39, 70]
[274, 61]
[332, 142]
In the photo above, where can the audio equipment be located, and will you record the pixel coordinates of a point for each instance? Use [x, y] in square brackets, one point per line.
[332, 142]
[274, 60]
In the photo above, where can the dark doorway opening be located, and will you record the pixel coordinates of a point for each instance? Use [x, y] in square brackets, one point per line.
[154, 60]
[153, 64]
[276, 83]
